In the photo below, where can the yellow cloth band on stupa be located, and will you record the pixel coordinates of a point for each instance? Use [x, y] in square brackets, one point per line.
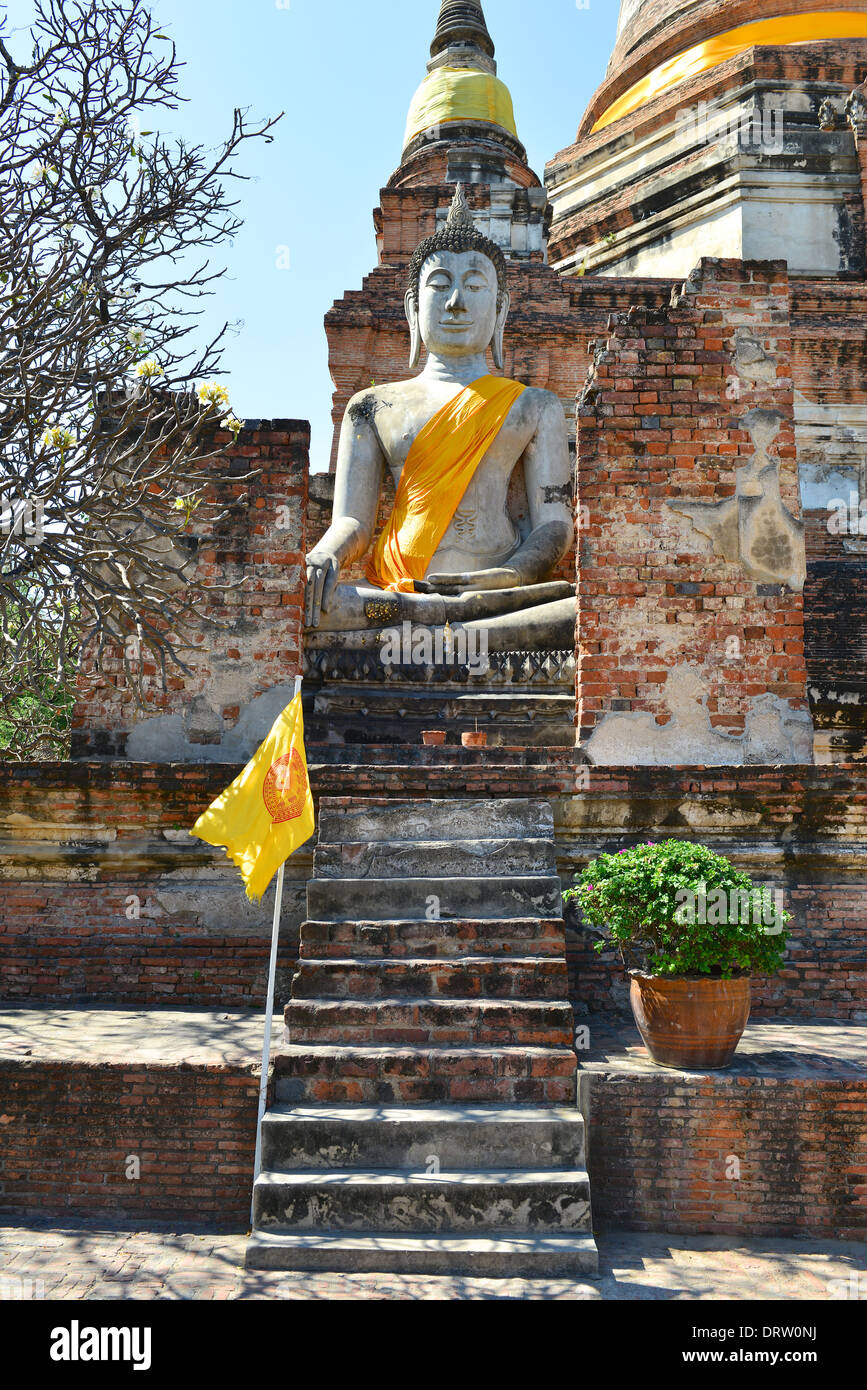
[460, 94]
[790, 29]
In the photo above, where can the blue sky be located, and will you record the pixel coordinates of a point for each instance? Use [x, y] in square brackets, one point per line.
[344, 72]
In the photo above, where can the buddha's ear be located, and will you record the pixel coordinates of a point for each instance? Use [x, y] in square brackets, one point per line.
[500, 331]
[415, 332]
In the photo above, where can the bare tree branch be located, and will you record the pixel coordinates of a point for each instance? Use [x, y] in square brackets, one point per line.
[106, 230]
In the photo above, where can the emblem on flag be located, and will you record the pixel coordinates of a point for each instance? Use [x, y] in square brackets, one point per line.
[285, 788]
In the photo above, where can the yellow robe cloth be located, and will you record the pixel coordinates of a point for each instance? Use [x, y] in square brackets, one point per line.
[439, 468]
[267, 812]
[702, 57]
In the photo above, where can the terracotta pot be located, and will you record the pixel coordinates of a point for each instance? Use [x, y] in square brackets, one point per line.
[434, 738]
[479, 739]
[696, 1024]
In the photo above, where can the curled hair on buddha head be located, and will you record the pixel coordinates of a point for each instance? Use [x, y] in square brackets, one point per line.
[459, 233]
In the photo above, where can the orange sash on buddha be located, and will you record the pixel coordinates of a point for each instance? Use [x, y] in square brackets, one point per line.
[439, 468]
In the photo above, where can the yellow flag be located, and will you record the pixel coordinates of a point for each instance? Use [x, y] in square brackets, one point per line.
[267, 812]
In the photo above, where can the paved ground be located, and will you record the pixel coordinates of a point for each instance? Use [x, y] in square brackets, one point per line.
[116, 1035]
[782, 1048]
[790, 1047]
[90, 1260]
[94, 1260]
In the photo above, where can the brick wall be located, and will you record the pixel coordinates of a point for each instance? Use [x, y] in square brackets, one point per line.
[659, 1147]
[690, 624]
[76, 842]
[829, 344]
[255, 551]
[63, 941]
[835, 628]
[69, 1127]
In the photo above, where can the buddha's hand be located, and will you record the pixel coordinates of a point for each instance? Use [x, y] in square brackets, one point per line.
[323, 572]
[478, 580]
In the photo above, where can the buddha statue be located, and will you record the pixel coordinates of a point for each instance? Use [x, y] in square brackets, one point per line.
[452, 437]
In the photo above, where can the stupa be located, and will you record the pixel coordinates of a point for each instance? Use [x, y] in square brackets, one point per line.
[705, 139]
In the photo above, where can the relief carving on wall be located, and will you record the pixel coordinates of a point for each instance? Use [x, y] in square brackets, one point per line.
[754, 528]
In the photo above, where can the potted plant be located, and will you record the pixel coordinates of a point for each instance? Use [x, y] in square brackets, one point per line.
[691, 929]
[477, 739]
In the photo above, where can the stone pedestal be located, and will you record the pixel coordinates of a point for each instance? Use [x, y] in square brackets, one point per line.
[522, 699]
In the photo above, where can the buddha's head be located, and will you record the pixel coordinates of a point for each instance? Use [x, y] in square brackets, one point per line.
[457, 302]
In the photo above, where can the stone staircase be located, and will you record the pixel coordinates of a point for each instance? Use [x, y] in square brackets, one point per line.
[425, 1117]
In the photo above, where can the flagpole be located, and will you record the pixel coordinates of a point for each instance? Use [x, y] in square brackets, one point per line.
[269, 1007]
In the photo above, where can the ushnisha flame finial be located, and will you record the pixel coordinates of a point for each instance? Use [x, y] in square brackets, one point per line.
[459, 212]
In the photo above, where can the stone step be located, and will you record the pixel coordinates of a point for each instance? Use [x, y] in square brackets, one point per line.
[502, 1023]
[464, 977]
[351, 820]
[357, 1074]
[460, 1136]
[490, 1201]
[452, 702]
[405, 735]
[350, 899]
[377, 1252]
[419, 1045]
[385, 715]
[524, 763]
[434, 940]
[444, 858]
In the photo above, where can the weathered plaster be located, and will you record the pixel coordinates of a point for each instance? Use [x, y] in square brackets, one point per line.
[774, 732]
[166, 739]
[832, 451]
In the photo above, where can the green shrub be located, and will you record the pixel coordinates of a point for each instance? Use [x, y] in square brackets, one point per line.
[677, 908]
[36, 728]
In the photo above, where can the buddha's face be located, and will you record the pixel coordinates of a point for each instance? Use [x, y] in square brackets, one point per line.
[457, 303]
